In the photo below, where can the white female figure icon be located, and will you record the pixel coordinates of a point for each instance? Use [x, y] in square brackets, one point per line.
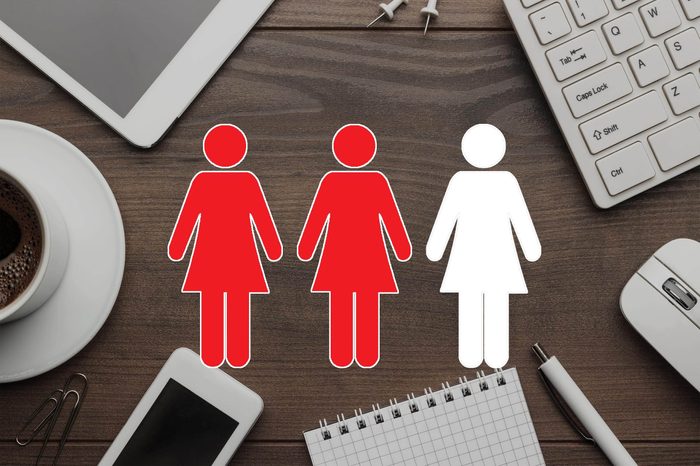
[483, 267]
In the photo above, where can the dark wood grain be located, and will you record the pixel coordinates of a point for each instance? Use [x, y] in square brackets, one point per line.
[286, 453]
[290, 90]
[481, 14]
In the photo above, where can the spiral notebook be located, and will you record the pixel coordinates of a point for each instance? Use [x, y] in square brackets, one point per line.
[481, 421]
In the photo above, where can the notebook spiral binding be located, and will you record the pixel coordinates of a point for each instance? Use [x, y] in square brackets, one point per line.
[413, 405]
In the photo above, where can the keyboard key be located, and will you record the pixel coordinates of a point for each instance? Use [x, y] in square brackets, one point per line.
[623, 33]
[625, 168]
[683, 94]
[623, 122]
[684, 48]
[648, 66]
[691, 8]
[620, 4]
[588, 11]
[597, 90]
[676, 144]
[659, 16]
[616, 82]
[529, 3]
[576, 55]
[550, 23]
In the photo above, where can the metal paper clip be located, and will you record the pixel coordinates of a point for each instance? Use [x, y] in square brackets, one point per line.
[55, 402]
[51, 401]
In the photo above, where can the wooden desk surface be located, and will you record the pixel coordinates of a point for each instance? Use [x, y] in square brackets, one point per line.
[309, 67]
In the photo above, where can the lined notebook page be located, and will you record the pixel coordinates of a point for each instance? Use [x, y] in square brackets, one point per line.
[485, 427]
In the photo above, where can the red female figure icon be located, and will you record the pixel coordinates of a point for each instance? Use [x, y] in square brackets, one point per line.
[225, 209]
[354, 208]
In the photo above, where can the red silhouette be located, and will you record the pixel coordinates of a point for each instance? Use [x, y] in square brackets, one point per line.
[225, 207]
[354, 208]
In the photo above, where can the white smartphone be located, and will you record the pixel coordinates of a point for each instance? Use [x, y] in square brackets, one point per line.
[137, 64]
[190, 415]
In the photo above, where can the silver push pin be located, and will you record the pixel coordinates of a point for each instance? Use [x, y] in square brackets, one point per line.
[388, 9]
[429, 11]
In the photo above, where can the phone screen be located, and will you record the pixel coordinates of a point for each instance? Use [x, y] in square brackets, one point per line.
[180, 428]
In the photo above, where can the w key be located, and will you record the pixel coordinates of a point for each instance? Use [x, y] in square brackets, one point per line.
[659, 16]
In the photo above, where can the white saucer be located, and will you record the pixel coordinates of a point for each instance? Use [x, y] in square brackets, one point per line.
[77, 310]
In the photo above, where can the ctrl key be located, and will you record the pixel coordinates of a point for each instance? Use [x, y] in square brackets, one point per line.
[625, 168]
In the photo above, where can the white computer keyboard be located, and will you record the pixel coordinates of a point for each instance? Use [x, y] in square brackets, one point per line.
[621, 77]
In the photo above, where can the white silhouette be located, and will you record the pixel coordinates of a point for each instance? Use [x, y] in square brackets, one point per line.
[483, 266]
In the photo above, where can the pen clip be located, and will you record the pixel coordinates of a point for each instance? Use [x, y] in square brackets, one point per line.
[565, 410]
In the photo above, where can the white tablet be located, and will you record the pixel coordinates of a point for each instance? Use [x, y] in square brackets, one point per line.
[190, 415]
[137, 64]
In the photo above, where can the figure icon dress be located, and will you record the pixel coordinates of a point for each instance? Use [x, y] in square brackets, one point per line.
[484, 208]
[222, 211]
[354, 208]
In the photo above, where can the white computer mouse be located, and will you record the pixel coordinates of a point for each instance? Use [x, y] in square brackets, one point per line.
[661, 303]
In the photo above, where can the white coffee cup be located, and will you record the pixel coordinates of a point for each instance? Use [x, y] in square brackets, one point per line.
[54, 251]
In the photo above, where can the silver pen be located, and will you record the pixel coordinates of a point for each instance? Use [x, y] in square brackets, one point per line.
[562, 387]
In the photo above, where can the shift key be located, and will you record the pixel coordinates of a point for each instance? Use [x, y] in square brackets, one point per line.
[623, 122]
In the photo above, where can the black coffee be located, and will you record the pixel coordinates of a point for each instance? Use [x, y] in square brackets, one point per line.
[20, 242]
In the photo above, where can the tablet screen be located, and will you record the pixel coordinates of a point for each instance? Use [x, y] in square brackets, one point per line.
[115, 49]
[180, 428]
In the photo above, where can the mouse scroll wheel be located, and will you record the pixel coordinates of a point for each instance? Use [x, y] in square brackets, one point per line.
[679, 294]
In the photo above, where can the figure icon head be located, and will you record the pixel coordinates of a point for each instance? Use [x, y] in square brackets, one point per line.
[354, 145]
[483, 146]
[225, 146]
